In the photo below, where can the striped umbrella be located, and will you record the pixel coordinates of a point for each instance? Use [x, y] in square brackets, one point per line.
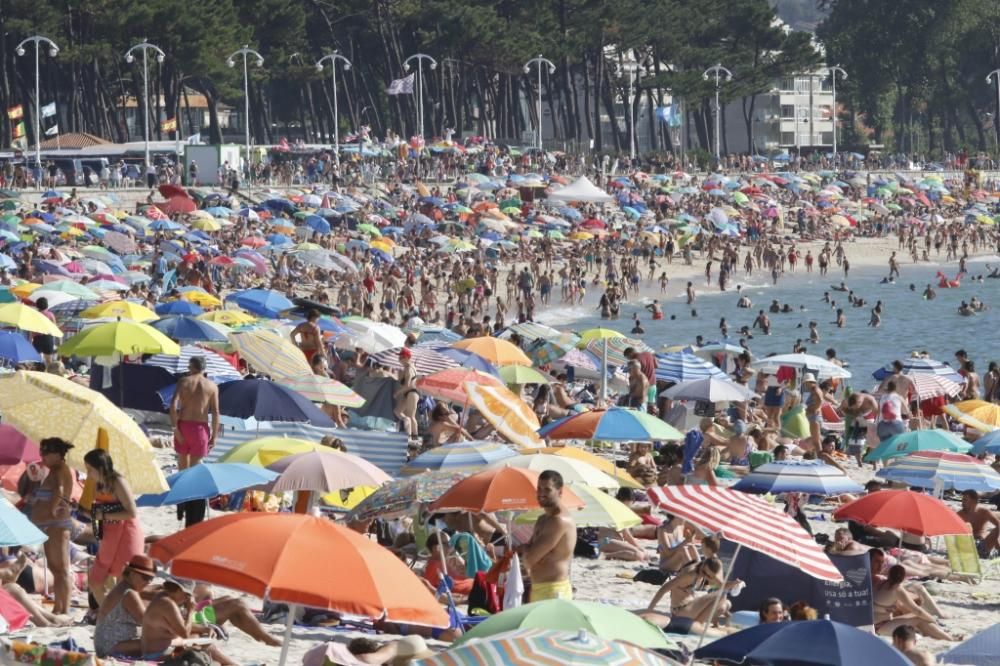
[680, 367]
[425, 361]
[916, 366]
[950, 471]
[807, 476]
[270, 353]
[449, 385]
[616, 348]
[580, 359]
[614, 424]
[543, 351]
[215, 366]
[532, 647]
[459, 457]
[403, 495]
[747, 521]
[929, 386]
[318, 388]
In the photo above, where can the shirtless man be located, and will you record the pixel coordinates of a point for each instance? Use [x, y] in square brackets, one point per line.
[904, 386]
[168, 618]
[549, 553]
[980, 518]
[904, 639]
[308, 336]
[196, 398]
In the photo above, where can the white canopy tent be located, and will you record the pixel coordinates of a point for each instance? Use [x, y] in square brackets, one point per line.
[581, 190]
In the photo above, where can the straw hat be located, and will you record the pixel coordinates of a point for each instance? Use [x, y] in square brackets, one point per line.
[142, 564]
[411, 648]
[809, 378]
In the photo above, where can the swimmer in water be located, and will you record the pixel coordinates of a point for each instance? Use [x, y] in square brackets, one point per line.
[637, 328]
[654, 308]
[929, 293]
[876, 319]
[841, 319]
[813, 332]
[744, 302]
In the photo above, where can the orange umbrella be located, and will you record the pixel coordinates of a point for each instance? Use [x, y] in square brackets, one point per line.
[495, 350]
[500, 489]
[449, 385]
[300, 560]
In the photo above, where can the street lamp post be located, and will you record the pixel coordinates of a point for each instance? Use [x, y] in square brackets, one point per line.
[246, 52]
[632, 69]
[38, 40]
[996, 126]
[420, 57]
[145, 47]
[833, 72]
[538, 62]
[334, 58]
[718, 71]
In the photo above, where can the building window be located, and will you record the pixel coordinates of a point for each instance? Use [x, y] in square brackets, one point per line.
[827, 138]
[788, 84]
[787, 138]
[787, 110]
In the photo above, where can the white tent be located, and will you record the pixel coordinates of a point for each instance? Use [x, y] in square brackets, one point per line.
[581, 190]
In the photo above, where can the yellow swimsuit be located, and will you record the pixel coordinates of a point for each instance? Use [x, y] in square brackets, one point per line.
[560, 589]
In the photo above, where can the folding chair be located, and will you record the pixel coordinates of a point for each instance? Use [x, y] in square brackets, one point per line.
[963, 557]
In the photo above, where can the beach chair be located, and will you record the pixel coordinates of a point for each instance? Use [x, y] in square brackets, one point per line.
[963, 557]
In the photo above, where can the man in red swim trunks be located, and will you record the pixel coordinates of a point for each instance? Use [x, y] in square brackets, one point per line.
[308, 335]
[196, 398]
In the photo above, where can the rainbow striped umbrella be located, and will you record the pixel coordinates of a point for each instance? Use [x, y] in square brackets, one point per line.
[612, 424]
[322, 389]
[425, 361]
[268, 352]
[546, 647]
[459, 457]
[952, 471]
[616, 348]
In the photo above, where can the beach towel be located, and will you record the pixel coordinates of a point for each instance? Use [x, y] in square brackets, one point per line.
[513, 591]
[476, 559]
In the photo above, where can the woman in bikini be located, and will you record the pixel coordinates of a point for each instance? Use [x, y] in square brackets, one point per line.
[689, 611]
[443, 428]
[894, 607]
[406, 395]
[51, 511]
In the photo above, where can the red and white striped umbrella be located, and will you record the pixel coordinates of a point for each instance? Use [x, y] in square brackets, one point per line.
[931, 386]
[425, 361]
[749, 521]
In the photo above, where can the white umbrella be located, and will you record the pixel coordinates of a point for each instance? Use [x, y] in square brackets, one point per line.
[820, 366]
[370, 336]
[710, 389]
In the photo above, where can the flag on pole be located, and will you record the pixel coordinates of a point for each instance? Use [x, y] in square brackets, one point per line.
[19, 130]
[402, 86]
[669, 114]
[52, 131]
[15, 112]
[169, 125]
[49, 110]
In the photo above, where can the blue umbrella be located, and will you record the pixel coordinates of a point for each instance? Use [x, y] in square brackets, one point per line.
[188, 329]
[164, 225]
[14, 347]
[681, 366]
[179, 307]
[983, 649]
[318, 224]
[267, 401]
[810, 642]
[208, 480]
[808, 476]
[988, 443]
[468, 359]
[16, 529]
[262, 302]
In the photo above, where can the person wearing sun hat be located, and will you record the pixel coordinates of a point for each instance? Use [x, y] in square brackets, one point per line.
[169, 617]
[119, 617]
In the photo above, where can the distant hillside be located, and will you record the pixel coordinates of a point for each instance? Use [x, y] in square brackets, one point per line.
[799, 14]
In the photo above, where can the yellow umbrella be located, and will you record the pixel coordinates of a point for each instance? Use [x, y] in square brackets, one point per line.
[27, 318]
[603, 464]
[496, 351]
[348, 499]
[269, 352]
[123, 309]
[44, 405]
[599, 510]
[25, 289]
[266, 450]
[598, 334]
[228, 317]
[978, 414]
[206, 224]
[204, 299]
[124, 337]
[506, 412]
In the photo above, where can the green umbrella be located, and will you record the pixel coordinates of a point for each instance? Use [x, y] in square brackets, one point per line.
[9, 204]
[522, 374]
[369, 229]
[918, 440]
[119, 337]
[609, 622]
[10, 220]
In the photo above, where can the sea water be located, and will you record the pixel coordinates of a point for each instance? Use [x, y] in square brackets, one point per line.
[909, 321]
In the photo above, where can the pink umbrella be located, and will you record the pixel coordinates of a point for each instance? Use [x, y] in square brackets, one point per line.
[15, 447]
[109, 276]
[325, 472]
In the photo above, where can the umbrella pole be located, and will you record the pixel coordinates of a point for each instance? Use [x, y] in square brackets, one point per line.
[719, 596]
[286, 639]
[604, 373]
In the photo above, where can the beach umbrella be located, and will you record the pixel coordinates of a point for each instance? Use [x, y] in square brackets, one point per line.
[124, 337]
[16, 447]
[227, 317]
[202, 298]
[918, 366]
[748, 521]
[822, 368]
[615, 348]
[216, 367]
[464, 358]
[572, 470]
[978, 414]
[602, 620]
[939, 469]
[809, 642]
[267, 401]
[523, 374]
[189, 329]
[404, 495]
[611, 424]
[44, 405]
[265, 450]
[496, 351]
[370, 336]
[286, 564]
[27, 318]
[324, 471]
[710, 389]
[680, 367]
[425, 361]
[16, 529]
[498, 489]
[904, 510]
[15, 348]
[598, 334]
[927, 386]
[813, 477]
[600, 509]
[604, 464]
[513, 419]
[66, 287]
[530, 330]
[208, 480]
[263, 302]
[269, 352]
[532, 647]
[988, 443]
[318, 388]
[918, 440]
[450, 385]
[458, 457]
[983, 649]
